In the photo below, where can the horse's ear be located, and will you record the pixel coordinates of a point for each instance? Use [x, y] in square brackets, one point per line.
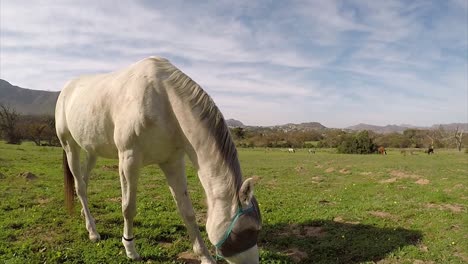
[246, 192]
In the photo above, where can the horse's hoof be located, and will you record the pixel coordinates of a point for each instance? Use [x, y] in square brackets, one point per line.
[208, 261]
[94, 237]
[134, 257]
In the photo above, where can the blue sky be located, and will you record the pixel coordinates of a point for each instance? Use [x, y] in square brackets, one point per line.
[264, 62]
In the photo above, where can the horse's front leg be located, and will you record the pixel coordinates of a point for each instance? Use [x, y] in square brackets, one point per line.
[175, 175]
[129, 165]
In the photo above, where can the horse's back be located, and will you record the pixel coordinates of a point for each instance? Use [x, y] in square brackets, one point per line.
[107, 112]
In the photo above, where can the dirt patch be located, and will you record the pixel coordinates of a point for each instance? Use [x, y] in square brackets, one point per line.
[340, 219]
[115, 199]
[28, 176]
[256, 178]
[304, 231]
[344, 171]
[318, 166]
[300, 169]
[398, 175]
[403, 175]
[381, 214]
[462, 255]
[314, 231]
[330, 170]
[455, 208]
[389, 180]
[423, 248]
[188, 257]
[422, 181]
[296, 255]
[326, 202]
[110, 167]
[316, 179]
[417, 261]
[43, 200]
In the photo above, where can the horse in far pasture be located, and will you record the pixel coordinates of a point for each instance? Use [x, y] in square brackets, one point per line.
[430, 150]
[291, 150]
[382, 150]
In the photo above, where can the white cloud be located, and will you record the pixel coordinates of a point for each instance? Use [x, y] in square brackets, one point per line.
[263, 62]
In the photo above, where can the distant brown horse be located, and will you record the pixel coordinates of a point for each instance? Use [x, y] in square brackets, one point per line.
[382, 150]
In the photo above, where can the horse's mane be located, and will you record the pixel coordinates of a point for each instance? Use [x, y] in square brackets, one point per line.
[195, 97]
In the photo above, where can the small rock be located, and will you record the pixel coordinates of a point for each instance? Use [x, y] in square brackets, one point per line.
[28, 175]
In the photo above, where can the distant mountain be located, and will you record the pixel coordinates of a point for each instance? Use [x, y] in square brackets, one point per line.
[234, 123]
[400, 128]
[27, 101]
[301, 127]
[452, 126]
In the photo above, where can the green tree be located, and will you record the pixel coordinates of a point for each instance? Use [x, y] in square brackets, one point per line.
[360, 143]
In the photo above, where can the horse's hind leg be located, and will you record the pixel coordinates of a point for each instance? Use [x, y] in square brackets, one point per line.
[129, 165]
[73, 156]
[90, 163]
[175, 174]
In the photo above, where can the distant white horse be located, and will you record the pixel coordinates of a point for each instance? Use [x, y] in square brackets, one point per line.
[291, 150]
[152, 113]
[311, 151]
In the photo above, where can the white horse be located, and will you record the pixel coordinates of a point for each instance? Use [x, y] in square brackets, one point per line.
[152, 113]
[291, 150]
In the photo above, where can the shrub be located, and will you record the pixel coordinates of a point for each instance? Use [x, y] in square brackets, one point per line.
[359, 143]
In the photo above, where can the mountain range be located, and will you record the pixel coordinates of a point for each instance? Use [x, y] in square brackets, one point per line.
[35, 102]
[27, 101]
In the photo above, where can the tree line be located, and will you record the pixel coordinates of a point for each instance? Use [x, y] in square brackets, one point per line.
[348, 141]
[15, 128]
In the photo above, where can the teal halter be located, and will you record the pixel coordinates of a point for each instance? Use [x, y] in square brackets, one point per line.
[239, 213]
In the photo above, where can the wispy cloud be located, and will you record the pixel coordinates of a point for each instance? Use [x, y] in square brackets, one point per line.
[263, 62]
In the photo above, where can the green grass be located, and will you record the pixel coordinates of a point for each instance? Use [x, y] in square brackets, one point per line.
[316, 208]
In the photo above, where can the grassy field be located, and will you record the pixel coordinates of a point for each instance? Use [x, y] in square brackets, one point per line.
[317, 208]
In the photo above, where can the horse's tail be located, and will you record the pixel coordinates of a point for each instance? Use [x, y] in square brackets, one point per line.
[68, 184]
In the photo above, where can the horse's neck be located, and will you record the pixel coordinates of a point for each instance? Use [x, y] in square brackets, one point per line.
[215, 176]
[221, 196]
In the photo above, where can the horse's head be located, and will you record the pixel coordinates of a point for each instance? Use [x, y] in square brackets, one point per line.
[239, 244]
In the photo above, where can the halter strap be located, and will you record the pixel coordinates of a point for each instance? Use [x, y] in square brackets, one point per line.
[240, 212]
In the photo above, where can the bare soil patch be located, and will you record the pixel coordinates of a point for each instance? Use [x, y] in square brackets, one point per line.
[417, 261]
[117, 199]
[300, 169]
[330, 170]
[256, 178]
[389, 180]
[455, 208]
[296, 255]
[344, 171]
[398, 175]
[340, 219]
[28, 175]
[188, 257]
[42, 201]
[304, 231]
[381, 214]
[403, 175]
[422, 181]
[110, 167]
